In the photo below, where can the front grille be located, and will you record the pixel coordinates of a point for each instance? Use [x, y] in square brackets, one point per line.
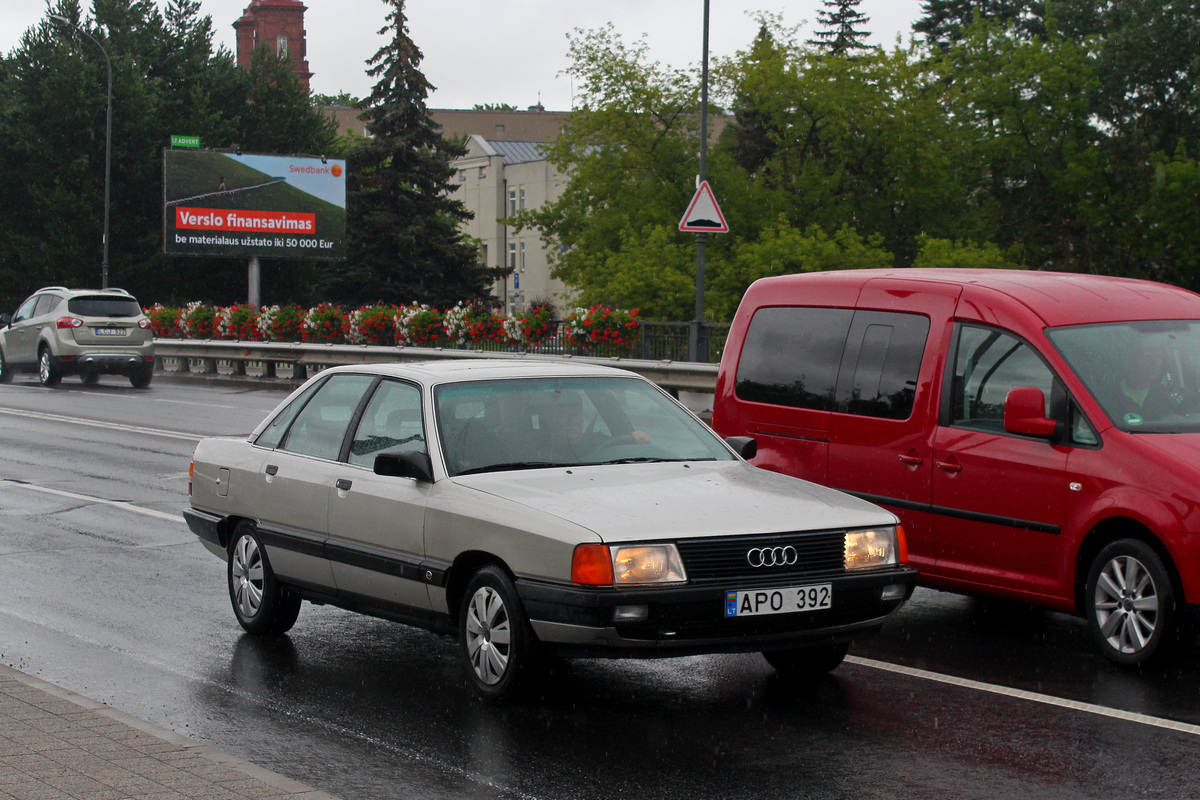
[819, 553]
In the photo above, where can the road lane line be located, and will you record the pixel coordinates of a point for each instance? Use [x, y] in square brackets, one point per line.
[114, 426]
[149, 512]
[1036, 697]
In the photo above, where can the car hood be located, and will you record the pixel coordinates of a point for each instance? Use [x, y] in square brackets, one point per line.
[635, 502]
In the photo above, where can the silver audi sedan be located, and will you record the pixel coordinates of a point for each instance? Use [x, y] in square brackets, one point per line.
[531, 509]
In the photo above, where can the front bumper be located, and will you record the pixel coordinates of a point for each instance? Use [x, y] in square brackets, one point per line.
[690, 619]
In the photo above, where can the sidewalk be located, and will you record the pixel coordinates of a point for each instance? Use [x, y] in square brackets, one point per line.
[57, 745]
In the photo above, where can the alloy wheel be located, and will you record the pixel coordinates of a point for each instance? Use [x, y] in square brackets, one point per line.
[1127, 604]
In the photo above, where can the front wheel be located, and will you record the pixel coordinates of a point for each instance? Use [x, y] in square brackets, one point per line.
[806, 663]
[261, 604]
[495, 639]
[6, 374]
[1131, 609]
[48, 371]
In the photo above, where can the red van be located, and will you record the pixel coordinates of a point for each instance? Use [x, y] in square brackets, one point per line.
[1037, 433]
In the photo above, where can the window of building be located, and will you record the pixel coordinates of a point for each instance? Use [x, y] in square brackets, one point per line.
[281, 45]
[521, 198]
[522, 260]
[512, 255]
[512, 202]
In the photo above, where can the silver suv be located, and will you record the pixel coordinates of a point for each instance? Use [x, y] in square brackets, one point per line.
[60, 331]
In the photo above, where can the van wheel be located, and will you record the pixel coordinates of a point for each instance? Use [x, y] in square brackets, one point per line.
[261, 604]
[805, 663]
[1130, 605]
[48, 370]
[495, 639]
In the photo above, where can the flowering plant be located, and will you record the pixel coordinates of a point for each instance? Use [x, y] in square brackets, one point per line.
[237, 322]
[165, 322]
[373, 325]
[484, 325]
[537, 322]
[325, 323]
[198, 321]
[454, 322]
[418, 325]
[591, 327]
[281, 324]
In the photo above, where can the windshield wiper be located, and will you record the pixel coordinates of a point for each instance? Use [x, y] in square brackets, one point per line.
[509, 465]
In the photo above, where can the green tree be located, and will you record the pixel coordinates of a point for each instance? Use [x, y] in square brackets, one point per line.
[842, 34]
[404, 240]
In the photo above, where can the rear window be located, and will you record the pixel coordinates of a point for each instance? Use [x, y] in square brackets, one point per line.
[102, 306]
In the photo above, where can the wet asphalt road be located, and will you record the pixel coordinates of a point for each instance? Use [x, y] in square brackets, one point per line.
[106, 593]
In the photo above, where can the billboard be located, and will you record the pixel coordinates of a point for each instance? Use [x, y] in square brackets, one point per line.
[226, 204]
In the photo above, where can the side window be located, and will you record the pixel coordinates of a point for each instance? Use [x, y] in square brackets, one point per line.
[791, 356]
[391, 423]
[320, 427]
[46, 304]
[988, 364]
[883, 361]
[26, 310]
[273, 434]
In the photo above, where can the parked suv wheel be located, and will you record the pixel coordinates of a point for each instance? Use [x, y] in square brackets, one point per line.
[48, 369]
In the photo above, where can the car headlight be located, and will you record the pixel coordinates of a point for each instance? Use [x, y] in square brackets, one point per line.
[647, 563]
[877, 547]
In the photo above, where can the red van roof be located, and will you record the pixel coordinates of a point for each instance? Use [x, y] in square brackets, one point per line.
[1058, 298]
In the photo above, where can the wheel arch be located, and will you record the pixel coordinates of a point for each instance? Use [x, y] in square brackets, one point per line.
[1105, 533]
[465, 565]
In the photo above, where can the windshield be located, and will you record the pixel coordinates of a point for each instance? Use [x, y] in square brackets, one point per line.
[490, 426]
[1143, 374]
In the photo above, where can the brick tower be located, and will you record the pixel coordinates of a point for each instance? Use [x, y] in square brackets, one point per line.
[280, 23]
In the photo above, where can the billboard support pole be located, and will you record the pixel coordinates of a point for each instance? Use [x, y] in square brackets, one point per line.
[254, 279]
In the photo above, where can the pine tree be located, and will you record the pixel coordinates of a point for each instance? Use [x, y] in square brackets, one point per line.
[842, 33]
[403, 223]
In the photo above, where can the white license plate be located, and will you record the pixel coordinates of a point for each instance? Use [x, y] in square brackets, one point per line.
[757, 602]
[110, 331]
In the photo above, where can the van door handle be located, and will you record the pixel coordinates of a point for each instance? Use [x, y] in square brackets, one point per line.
[343, 483]
[912, 461]
[272, 469]
[952, 467]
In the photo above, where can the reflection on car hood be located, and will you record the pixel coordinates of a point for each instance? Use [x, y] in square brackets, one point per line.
[674, 500]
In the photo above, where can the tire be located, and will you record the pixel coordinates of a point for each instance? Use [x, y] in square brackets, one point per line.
[1130, 605]
[6, 374]
[495, 639]
[140, 377]
[89, 378]
[806, 662]
[48, 371]
[263, 607]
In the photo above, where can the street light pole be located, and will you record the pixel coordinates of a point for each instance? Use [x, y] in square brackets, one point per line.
[107, 145]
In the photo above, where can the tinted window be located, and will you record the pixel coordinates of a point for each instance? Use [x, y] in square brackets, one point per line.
[990, 363]
[883, 360]
[46, 303]
[391, 423]
[104, 306]
[321, 425]
[791, 356]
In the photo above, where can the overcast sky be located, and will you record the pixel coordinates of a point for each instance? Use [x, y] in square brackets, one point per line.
[510, 51]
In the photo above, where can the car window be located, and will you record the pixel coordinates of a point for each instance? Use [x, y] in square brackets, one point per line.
[46, 304]
[320, 427]
[883, 360]
[791, 356]
[390, 423]
[273, 434]
[104, 306]
[26, 310]
[990, 363]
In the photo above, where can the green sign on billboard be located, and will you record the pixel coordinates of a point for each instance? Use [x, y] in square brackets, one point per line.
[185, 141]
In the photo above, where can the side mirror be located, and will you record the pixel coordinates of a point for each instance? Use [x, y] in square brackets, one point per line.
[407, 464]
[1025, 413]
[5, 319]
[744, 446]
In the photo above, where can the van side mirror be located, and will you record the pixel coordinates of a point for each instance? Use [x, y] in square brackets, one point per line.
[406, 464]
[744, 446]
[1025, 413]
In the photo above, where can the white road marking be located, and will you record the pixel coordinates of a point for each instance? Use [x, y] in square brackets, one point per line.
[149, 512]
[113, 426]
[1021, 694]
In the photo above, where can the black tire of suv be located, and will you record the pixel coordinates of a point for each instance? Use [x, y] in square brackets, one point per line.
[48, 370]
[6, 374]
[277, 609]
[89, 377]
[491, 600]
[1124, 606]
[140, 377]
[806, 663]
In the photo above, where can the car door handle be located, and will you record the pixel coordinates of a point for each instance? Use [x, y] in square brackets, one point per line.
[272, 469]
[343, 484]
[912, 461]
[949, 466]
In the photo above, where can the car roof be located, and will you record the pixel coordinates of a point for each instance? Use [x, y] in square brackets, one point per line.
[473, 369]
[1058, 298]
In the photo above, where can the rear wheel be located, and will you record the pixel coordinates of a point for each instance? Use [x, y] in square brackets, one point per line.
[48, 370]
[495, 638]
[1131, 608]
[806, 662]
[89, 377]
[141, 376]
[6, 374]
[262, 605]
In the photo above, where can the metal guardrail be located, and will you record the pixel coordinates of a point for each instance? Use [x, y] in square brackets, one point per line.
[293, 363]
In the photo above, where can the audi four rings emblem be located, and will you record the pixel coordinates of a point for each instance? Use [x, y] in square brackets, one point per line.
[772, 556]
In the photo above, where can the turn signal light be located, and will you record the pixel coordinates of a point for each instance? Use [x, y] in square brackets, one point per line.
[901, 545]
[68, 322]
[592, 565]
[191, 471]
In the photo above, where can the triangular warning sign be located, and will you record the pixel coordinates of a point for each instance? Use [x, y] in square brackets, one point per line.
[703, 215]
